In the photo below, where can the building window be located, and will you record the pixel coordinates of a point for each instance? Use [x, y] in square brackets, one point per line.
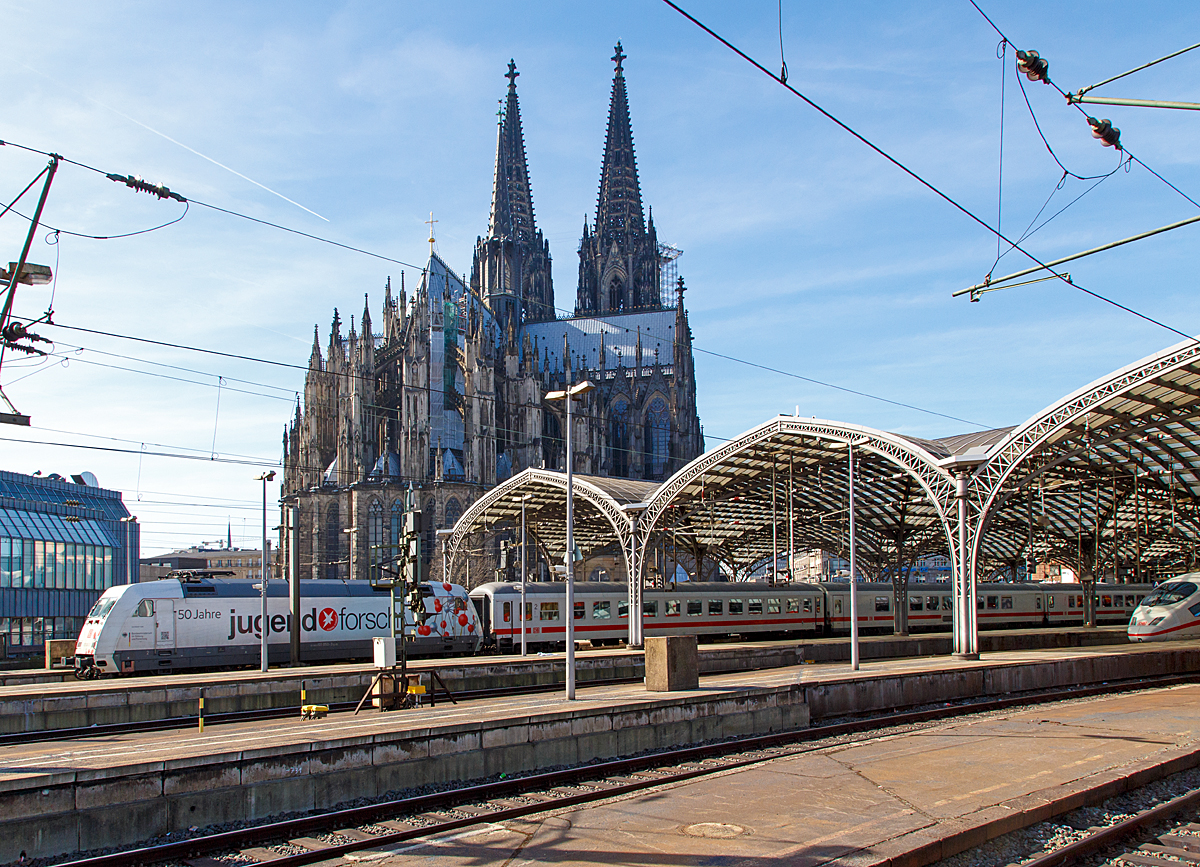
[618, 437]
[454, 511]
[430, 520]
[397, 525]
[333, 541]
[376, 555]
[657, 438]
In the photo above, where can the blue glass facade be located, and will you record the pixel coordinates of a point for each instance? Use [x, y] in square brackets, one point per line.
[62, 543]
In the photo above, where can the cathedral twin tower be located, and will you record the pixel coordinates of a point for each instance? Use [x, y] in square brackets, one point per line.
[448, 398]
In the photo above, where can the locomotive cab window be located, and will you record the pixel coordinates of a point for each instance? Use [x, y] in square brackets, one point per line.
[695, 607]
[716, 607]
[883, 603]
[145, 608]
[601, 610]
[735, 606]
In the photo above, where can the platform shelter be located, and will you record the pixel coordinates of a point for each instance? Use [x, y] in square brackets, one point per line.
[1104, 482]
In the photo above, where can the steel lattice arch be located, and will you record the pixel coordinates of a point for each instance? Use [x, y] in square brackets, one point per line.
[1105, 482]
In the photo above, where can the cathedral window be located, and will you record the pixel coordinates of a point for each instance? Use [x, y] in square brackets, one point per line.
[376, 554]
[454, 511]
[333, 541]
[618, 437]
[430, 521]
[397, 524]
[657, 438]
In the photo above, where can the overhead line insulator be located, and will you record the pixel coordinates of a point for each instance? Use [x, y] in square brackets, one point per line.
[1034, 66]
[143, 186]
[1108, 134]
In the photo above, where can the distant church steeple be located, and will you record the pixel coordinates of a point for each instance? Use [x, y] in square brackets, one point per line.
[511, 268]
[618, 257]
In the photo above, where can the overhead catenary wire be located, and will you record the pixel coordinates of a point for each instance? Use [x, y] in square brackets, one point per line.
[915, 176]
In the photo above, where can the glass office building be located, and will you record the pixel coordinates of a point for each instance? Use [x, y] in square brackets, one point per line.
[62, 543]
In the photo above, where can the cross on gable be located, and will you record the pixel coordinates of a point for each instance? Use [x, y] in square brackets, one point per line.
[619, 57]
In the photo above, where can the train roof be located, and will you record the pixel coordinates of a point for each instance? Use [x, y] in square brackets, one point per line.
[232, 588]
[621, 587]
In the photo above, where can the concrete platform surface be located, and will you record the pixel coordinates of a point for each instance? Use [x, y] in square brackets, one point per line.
[907, 799]
[57, 758]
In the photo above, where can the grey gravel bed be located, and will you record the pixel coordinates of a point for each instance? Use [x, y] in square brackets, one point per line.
[1046, 837]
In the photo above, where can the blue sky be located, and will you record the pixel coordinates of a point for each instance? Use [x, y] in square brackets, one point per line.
[803, 250]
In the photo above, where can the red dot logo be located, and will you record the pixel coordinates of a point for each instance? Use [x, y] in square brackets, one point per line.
[327, 619]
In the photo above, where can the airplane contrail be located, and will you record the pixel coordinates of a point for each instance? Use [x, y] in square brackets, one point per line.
[173, 141]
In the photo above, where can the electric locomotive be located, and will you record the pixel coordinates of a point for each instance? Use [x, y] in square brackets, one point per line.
[200, 621]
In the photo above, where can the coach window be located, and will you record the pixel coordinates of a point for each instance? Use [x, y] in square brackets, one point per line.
[145, 608]
[528, 612]
[837, 607]
[754, 606]
[735, 606]
[601, 610]
[915, 603]
[580, 610]
[549, 611]
[883, 603]
[806, 605]
[1107, 601]
[946, 606]
[1037, 602]
[507, 612]
[695, 607]
[979, 602]
[650, 609]
[993, 602]
[1078, 601]
[772, 606]
[817, 606]
[931, 603]
[622, 609]
[672, 608]
[1050, 601]
[793, 605]
[1006, 602]
[716, 607]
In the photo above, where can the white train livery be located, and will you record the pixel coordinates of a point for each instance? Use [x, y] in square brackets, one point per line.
[211, 622]
[1171, 612]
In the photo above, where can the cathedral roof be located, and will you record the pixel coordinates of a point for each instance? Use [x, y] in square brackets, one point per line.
[616, 333]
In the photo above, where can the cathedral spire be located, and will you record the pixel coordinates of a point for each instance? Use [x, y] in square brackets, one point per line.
[512, 199]
[619, 207]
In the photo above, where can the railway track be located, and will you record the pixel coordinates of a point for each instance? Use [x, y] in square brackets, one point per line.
[388, 824]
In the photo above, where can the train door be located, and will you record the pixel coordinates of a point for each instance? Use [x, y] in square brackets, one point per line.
[164, 624]
[140, 626]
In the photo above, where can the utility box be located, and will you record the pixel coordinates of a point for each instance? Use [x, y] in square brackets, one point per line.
[57, 649]
[672, 663]
[385, 653]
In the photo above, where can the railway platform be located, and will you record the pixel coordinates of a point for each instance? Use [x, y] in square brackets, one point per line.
[40, 701]
[89, 793]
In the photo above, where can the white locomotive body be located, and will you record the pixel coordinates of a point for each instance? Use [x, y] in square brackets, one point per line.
[1171, 612]
[172, 624]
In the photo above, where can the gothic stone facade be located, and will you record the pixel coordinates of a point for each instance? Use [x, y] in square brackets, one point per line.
[446, 398]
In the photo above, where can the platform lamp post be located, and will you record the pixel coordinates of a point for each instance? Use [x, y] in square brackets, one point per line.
[569, 395]
[265, 628]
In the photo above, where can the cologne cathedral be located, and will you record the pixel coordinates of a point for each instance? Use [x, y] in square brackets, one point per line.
[443, 394]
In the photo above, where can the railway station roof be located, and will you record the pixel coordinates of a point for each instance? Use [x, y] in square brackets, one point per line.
[1105, 480]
